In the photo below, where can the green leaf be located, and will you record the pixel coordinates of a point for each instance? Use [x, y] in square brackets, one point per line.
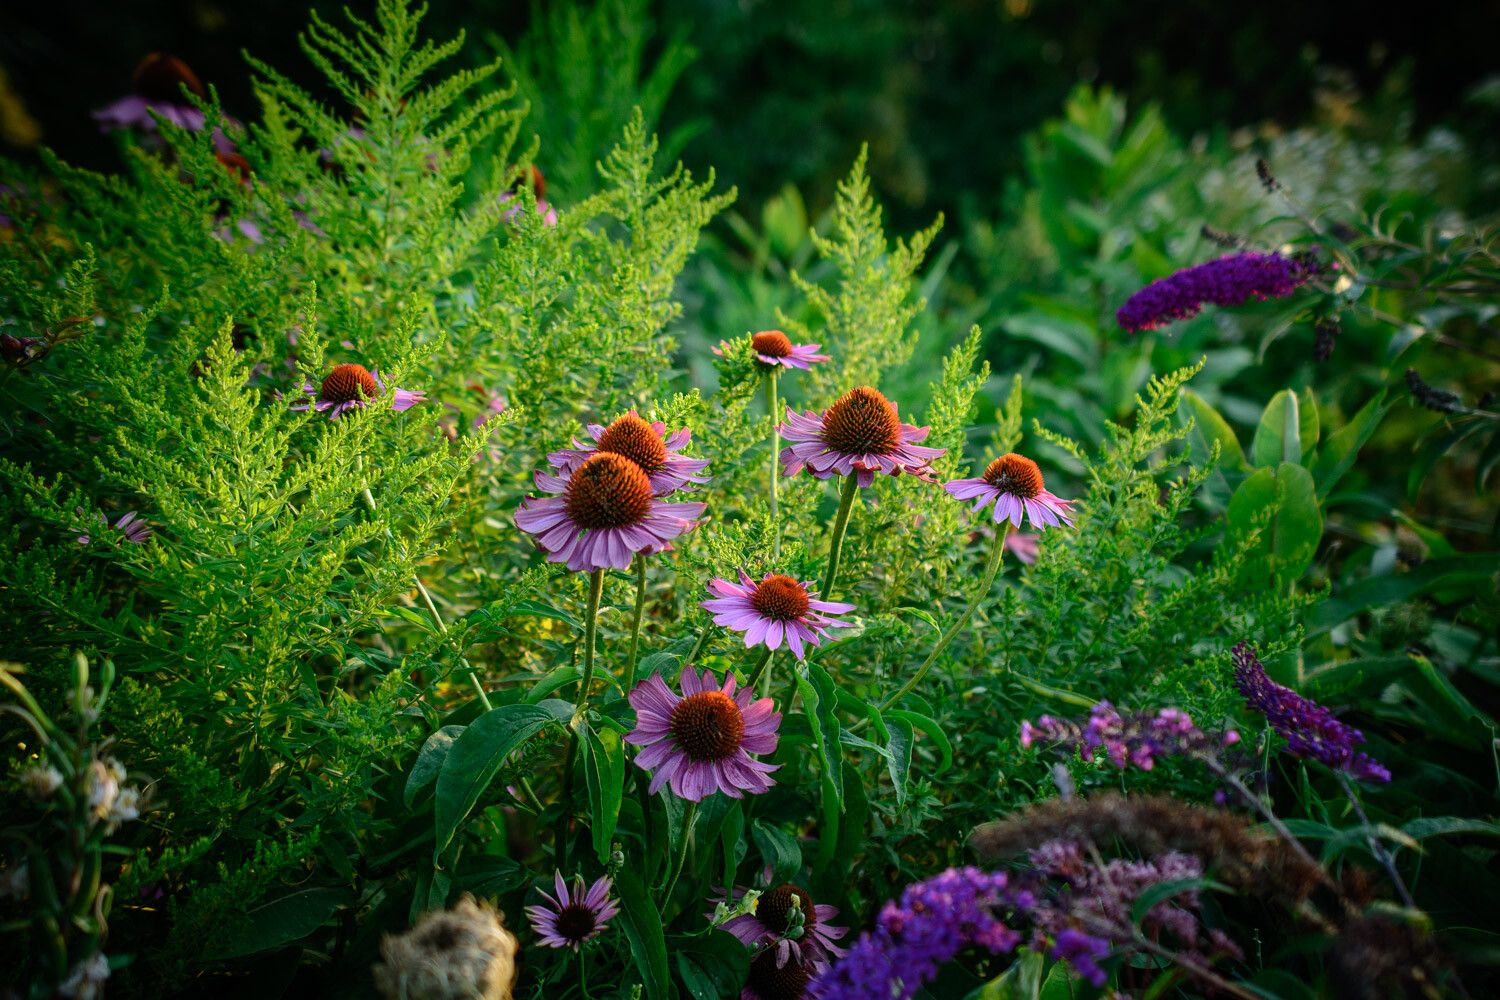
[284, 919]
[1308, 427]
[1162, 891]
[899, 761]
[1359, 836]
[1289, 538]
[666, 660]
[605, 773]
[1212, 428]
[475, 757]
[1057, 985]
[713, 965]
[1435, 446]
[931, 729]
[1343, 445]
[819, 699]
[558, 678]
[732, 835]
[1397, 587]
[1442, 826]
[1277, 438]
[643, 927]
[412, 615]
[777, 849]
[1022, 981]
[429, 761]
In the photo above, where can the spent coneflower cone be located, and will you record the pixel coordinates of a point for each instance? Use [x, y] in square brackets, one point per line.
[460, 954]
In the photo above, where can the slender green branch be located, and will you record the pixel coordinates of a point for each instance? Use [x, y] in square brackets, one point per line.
[836, 542]
[682, 848]
[775, 464]
[635, 624]
[1381, 852]
[759, 668]
[590, 628]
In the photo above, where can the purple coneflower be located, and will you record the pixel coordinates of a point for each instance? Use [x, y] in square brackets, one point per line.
[134, 529]
[1023, 547]
[1232, 280]
[860, 432]
[602, 514]
[701, 741]
[575, 916]
[1014, 484]
[1310, 729]
[771, 921]
[773, 348]
[158, 83]
[778, 605]
[351, 387]
[769, 981]
[647, 445]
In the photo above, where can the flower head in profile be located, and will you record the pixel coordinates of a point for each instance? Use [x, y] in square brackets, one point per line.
[158, 84]
[1232, 280]
[790, 926]
[775, 608]
[859, 434]
[601, 514]
[773, 349]
[460, 954]
[1014, 484]
[576, 915]
[538, 188]
[701, 741]
[134, 530]
[1310, 730]
[648, 445]
[351, 387]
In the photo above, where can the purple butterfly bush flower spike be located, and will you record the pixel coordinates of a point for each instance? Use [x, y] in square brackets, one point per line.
[1310, 729]
[647, 445]
[860, 433]
[602, 514]
[575, 916]
[700, 742]
[933, 921]
[1232, 280]
[352, 387]
[775, 608]
[1014, 484]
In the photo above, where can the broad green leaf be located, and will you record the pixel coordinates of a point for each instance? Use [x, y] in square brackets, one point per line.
[1437, 444]
[732, 836]
[1022, 981]
[932, 729]
[1308, 428]
[1277, 438]
[1162, 891]
[558, 678]
[820, 698]
[643, 927]
[411, 615]
[899, 761]
[1343, 445]
[1441, 826]
[1363, 673]
[284, 919]
[495, 877]
[712, 965]
[429, 761]
[1057, 985]
[1359, 836]
[474, 759]
[1211, 427]
[777, 849]
[1397, 587]
[605, 771]
[1070, 337]
[1289, 533]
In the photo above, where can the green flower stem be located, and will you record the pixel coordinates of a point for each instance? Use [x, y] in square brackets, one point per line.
[1381, 852]
[635, 625]
[583, 976]
[702, 636]
[990, 569]
[775, 463]
[682, 849]
[759, 668]
[836, 544]
[590, 628]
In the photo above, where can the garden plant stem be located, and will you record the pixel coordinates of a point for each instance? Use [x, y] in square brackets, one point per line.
[759, 668]
[775, 463]
[635, 625]
[836, 543]
[1381, 852]
[682, 847]
[590, 628]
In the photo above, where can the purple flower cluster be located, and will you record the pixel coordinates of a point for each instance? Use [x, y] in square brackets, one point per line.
[1136, 739]
[1232, 280]
[934, 920]
[1310, 730]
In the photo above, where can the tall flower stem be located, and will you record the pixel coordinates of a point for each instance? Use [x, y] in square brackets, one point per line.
[759, 668]
[682, 848]
[1219, 771]
[590, 629]
[836, 543]
[1381, 852]
[987, 579]
[635, 624]
[775, 461]
[583, 976]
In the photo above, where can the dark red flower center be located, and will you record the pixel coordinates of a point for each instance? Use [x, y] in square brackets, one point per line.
[774, 907]
[608, 491]
[160, 77]
[862, 422]
[707, 726]
[636, 440]
[1015, 474]
[770, 983]
[780, 598]
[344, 384]
[576, 922]
[771, 343]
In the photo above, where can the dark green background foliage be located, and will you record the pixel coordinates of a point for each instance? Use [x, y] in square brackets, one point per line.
[298, 702]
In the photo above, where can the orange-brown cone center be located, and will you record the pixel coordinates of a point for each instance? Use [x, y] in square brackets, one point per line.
[636, 440]
[1015, 474]
[344, 384]
[771, 343]
[862, 422]
[707, 726]
[608, 491]
[774, 906]
[160, 77]
[779, 598]
[770, 983]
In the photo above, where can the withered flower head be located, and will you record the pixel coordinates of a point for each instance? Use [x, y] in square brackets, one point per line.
[460, 954]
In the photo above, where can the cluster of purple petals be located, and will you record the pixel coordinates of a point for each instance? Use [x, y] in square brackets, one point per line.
[1083, 952]
[1135, 739]
[1310, 730]
[1232, 280]
[933, 921]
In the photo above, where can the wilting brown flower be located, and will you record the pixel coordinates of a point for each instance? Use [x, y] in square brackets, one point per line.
[460, 954]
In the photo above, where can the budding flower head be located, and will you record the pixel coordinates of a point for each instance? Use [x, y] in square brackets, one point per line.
[460, 954]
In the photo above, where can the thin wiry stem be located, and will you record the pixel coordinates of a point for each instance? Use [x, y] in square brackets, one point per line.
[635, 625]
[1381, 852]
[836, 543]
[775, 463]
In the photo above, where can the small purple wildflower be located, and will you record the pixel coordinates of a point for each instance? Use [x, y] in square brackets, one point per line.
[1136, 739]
[1083, 952]
[1232, 280]
[1310, 730]
[934, 920]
